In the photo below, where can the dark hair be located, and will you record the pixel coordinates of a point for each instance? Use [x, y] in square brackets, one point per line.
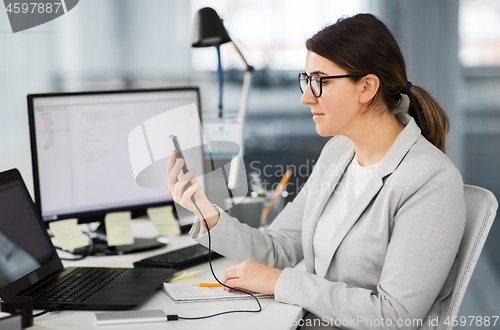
[361, 45]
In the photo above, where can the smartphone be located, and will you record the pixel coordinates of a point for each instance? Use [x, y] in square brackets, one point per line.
[180, 154]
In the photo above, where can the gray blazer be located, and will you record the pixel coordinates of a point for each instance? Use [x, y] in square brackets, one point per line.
[392, 256]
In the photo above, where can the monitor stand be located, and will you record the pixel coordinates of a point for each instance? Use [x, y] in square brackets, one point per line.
[100, 244]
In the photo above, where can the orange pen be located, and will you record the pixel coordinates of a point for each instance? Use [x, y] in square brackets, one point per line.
[208, 285]
[277, 193]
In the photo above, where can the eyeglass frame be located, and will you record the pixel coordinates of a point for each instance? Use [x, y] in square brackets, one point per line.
[308, 80]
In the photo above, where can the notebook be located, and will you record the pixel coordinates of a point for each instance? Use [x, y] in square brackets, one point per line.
[185, 292]
[29, 263]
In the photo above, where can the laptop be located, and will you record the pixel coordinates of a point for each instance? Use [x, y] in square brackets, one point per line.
[30, 266]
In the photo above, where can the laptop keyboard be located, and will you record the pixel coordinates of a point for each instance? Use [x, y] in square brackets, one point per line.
[78, 285]
[179, 259]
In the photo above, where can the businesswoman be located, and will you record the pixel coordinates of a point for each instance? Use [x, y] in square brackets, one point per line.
[379, 221]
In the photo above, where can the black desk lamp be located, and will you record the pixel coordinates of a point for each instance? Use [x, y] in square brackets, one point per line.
[209, 31]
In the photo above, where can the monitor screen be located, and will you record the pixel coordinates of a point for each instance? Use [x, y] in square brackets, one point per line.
[81, 163]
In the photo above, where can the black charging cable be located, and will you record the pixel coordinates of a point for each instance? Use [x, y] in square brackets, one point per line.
[52, 308]
[83, 256]
[176, 317]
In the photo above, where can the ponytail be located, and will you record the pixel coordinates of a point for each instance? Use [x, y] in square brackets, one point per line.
[429, 116]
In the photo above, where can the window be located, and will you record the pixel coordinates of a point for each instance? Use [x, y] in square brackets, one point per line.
[271, 34]
[479, 33]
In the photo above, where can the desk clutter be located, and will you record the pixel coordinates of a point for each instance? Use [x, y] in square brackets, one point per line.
[117, 226]
[31, 267]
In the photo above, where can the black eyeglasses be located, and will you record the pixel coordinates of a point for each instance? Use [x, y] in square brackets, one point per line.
[316, 83]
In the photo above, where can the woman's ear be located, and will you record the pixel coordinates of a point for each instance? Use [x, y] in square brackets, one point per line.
[369, 87]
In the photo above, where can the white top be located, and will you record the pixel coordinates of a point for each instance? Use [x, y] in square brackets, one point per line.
[351, 185]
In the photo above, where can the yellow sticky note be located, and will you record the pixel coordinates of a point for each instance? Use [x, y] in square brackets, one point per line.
[68, 234]
[164, 220]
[118, 228]
[186, 277]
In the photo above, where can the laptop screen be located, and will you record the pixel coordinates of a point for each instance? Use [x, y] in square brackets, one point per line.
[23, 244]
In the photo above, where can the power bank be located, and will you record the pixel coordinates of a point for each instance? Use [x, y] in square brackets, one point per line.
[108, 318]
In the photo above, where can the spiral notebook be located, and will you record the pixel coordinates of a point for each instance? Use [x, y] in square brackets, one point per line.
[182, 292]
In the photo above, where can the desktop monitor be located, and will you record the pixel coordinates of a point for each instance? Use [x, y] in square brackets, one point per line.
[80, 155]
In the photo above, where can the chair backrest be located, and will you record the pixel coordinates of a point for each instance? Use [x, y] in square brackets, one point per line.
[481, 207]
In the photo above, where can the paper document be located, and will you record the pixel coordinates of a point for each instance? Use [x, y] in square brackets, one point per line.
[68, 234]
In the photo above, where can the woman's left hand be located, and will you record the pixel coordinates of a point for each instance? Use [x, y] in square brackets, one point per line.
[252, 276]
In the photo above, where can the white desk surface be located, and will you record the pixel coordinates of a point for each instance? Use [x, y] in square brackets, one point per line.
[274, 315]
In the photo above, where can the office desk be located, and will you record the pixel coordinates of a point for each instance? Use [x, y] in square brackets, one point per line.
[274, 315]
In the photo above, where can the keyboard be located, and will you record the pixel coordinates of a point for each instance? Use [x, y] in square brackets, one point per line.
[79, 285]
[180, 259]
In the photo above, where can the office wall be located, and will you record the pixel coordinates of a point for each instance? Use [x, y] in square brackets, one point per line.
[26, 65]
[427, 32]
[110, 44]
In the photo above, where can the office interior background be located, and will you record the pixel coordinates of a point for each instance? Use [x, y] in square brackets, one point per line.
[452, 48]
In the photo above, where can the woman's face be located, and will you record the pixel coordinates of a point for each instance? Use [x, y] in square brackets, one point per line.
[338, 107]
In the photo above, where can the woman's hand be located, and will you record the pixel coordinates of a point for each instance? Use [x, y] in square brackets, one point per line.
[183, 198]
[252, 276]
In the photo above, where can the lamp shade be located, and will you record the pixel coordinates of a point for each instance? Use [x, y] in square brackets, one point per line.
[208, 29]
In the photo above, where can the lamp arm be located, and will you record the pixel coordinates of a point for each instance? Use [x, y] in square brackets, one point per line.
[245, 88]
[244, 95]
[247, 78]
[249, 67]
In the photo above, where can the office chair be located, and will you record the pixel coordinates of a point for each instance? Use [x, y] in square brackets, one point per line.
[481, 207]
